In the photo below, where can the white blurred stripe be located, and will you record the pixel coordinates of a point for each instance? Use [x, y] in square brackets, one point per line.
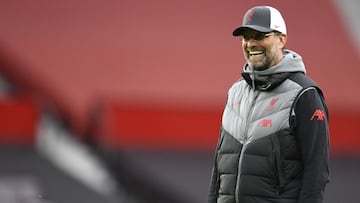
[349, 12]
[74, 158]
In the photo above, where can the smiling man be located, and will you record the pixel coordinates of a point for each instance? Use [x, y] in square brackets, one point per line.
[274, 139]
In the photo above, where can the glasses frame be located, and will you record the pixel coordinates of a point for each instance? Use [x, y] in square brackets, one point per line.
[258, 36]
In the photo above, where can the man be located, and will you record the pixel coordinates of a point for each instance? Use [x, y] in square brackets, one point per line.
[274, 139]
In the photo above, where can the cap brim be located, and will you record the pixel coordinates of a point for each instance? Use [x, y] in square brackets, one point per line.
[240, 30]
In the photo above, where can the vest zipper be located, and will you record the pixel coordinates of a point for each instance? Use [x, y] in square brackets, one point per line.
[277, 162]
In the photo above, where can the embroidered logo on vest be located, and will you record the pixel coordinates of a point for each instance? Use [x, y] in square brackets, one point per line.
[266, 123]
[272, 104]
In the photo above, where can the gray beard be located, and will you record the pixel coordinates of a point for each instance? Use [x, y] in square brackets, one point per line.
[264, 65]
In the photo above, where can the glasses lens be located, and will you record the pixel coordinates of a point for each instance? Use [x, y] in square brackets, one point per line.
[259, 36]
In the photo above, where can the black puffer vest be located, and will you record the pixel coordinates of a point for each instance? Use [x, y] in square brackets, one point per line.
[257, 157]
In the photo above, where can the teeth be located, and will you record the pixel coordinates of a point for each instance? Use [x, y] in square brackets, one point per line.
[256, 52]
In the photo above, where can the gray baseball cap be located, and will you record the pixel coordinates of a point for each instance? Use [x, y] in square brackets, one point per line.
[262, 19]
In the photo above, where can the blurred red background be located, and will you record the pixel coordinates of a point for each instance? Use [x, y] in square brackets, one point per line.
[145, 74]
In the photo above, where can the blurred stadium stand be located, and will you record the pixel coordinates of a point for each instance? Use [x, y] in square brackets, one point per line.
[121, 101]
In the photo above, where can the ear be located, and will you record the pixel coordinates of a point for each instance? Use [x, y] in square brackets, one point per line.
[282, 40]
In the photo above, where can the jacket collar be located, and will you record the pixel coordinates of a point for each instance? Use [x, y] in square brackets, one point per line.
[267, 83]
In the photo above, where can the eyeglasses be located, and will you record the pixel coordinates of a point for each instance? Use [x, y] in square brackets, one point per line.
[258, 36]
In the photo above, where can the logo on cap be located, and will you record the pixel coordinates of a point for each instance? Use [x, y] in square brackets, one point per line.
[250, 16]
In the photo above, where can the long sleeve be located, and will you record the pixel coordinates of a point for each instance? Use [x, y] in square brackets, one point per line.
[313, 140]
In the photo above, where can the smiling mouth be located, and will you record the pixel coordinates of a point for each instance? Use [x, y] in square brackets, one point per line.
[255, 53]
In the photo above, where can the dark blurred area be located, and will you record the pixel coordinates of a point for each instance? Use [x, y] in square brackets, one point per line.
[121, 101]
